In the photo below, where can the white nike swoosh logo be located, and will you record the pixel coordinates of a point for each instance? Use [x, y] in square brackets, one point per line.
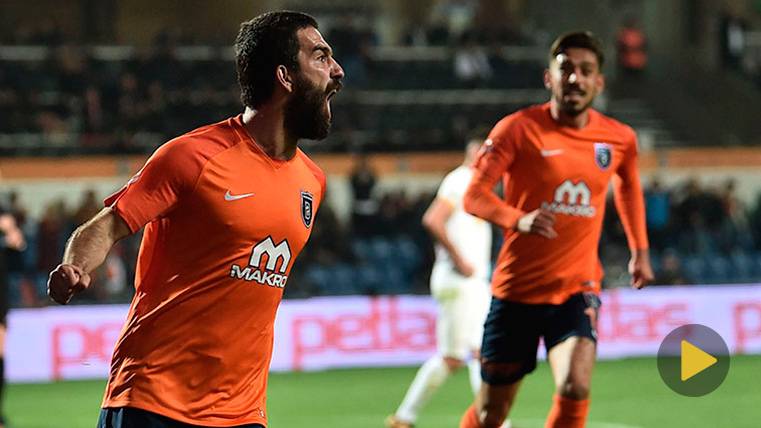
[553, 152]
[230, 197]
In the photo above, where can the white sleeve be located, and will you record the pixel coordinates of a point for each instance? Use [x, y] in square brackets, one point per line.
[451, 190]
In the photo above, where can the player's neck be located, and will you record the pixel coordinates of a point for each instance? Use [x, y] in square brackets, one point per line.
[267, 128]
[564, 119]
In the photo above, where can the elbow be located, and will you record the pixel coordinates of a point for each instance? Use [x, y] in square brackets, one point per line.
[428, 222]
[469, 202]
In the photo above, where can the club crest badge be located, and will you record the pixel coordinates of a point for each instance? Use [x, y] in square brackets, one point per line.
[603, 155]
[307, 210]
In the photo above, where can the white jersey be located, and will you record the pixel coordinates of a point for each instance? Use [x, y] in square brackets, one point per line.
[470, 235]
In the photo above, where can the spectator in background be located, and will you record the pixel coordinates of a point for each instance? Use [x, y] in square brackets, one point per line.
[455, 15]
[109, 280]
[326, 244]
[471, 64]
[732, 39]
[92, 112]
[735, 232]
[17, 261]
[697, 202]
[52, 123]
[17, 208]
[128, 102]
[11, 240]
[697, 239]
[364, 207]
[394, 213]
[755, 222]
[631, 47]
[50, 236]
[658, 213]
[671, 272]
[89, 206]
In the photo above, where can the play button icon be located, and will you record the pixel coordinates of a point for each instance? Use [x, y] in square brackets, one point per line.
[693, 360]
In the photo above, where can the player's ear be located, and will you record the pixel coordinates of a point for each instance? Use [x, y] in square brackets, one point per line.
[547, 79]
[284, 77]
[600, 82]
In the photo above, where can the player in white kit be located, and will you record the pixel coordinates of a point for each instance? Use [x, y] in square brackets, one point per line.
[460, 285]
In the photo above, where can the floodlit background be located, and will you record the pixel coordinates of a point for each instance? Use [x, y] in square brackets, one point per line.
[89, 88]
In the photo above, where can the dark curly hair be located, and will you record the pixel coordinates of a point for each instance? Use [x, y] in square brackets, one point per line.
[264, 43]
[578, 39]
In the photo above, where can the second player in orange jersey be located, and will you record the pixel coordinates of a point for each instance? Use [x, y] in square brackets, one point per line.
[226, 210]
[556, 162]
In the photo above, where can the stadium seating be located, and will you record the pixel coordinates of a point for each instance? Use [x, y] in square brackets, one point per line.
[117, 99]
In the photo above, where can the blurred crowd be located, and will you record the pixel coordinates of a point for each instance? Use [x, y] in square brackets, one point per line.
[46, 237]
[695, 232]
[122, 106]
[62, 95]
[698, 234]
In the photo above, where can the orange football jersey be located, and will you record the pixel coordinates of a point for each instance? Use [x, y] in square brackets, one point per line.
[223, 225]
[567, 171]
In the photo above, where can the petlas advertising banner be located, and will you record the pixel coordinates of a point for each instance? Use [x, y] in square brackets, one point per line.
[76, 342]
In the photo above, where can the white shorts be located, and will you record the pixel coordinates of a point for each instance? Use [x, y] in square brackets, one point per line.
[463, 304]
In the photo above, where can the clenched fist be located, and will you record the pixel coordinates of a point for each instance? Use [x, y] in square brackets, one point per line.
[539, 222]
[66, 280]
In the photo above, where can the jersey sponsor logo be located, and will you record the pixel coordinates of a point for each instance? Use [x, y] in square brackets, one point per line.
[603, 155]
[572, 199]
[230, 197]
[307, 208]
[268, 254]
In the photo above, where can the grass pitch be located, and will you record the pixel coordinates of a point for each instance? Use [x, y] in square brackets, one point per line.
[625, 394]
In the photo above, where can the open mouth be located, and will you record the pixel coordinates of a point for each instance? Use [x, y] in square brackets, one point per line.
[327, 101]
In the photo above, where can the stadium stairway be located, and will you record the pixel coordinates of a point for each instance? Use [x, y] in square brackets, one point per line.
[652, 130]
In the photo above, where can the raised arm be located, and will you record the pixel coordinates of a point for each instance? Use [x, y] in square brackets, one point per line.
[630, 204]
[85, 251]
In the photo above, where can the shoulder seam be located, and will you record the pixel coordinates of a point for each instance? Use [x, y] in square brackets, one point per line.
[209, 159]
[315, 169]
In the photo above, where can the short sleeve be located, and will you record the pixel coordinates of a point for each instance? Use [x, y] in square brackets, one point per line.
[449, 191]
[151, 193]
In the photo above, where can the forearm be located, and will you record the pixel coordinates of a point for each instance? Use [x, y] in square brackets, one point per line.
[630, 205]
[482, 202]
[631, 210]
[90, 243]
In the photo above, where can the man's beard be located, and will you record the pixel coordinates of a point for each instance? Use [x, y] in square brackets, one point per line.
[305, 115]
[574, 109]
